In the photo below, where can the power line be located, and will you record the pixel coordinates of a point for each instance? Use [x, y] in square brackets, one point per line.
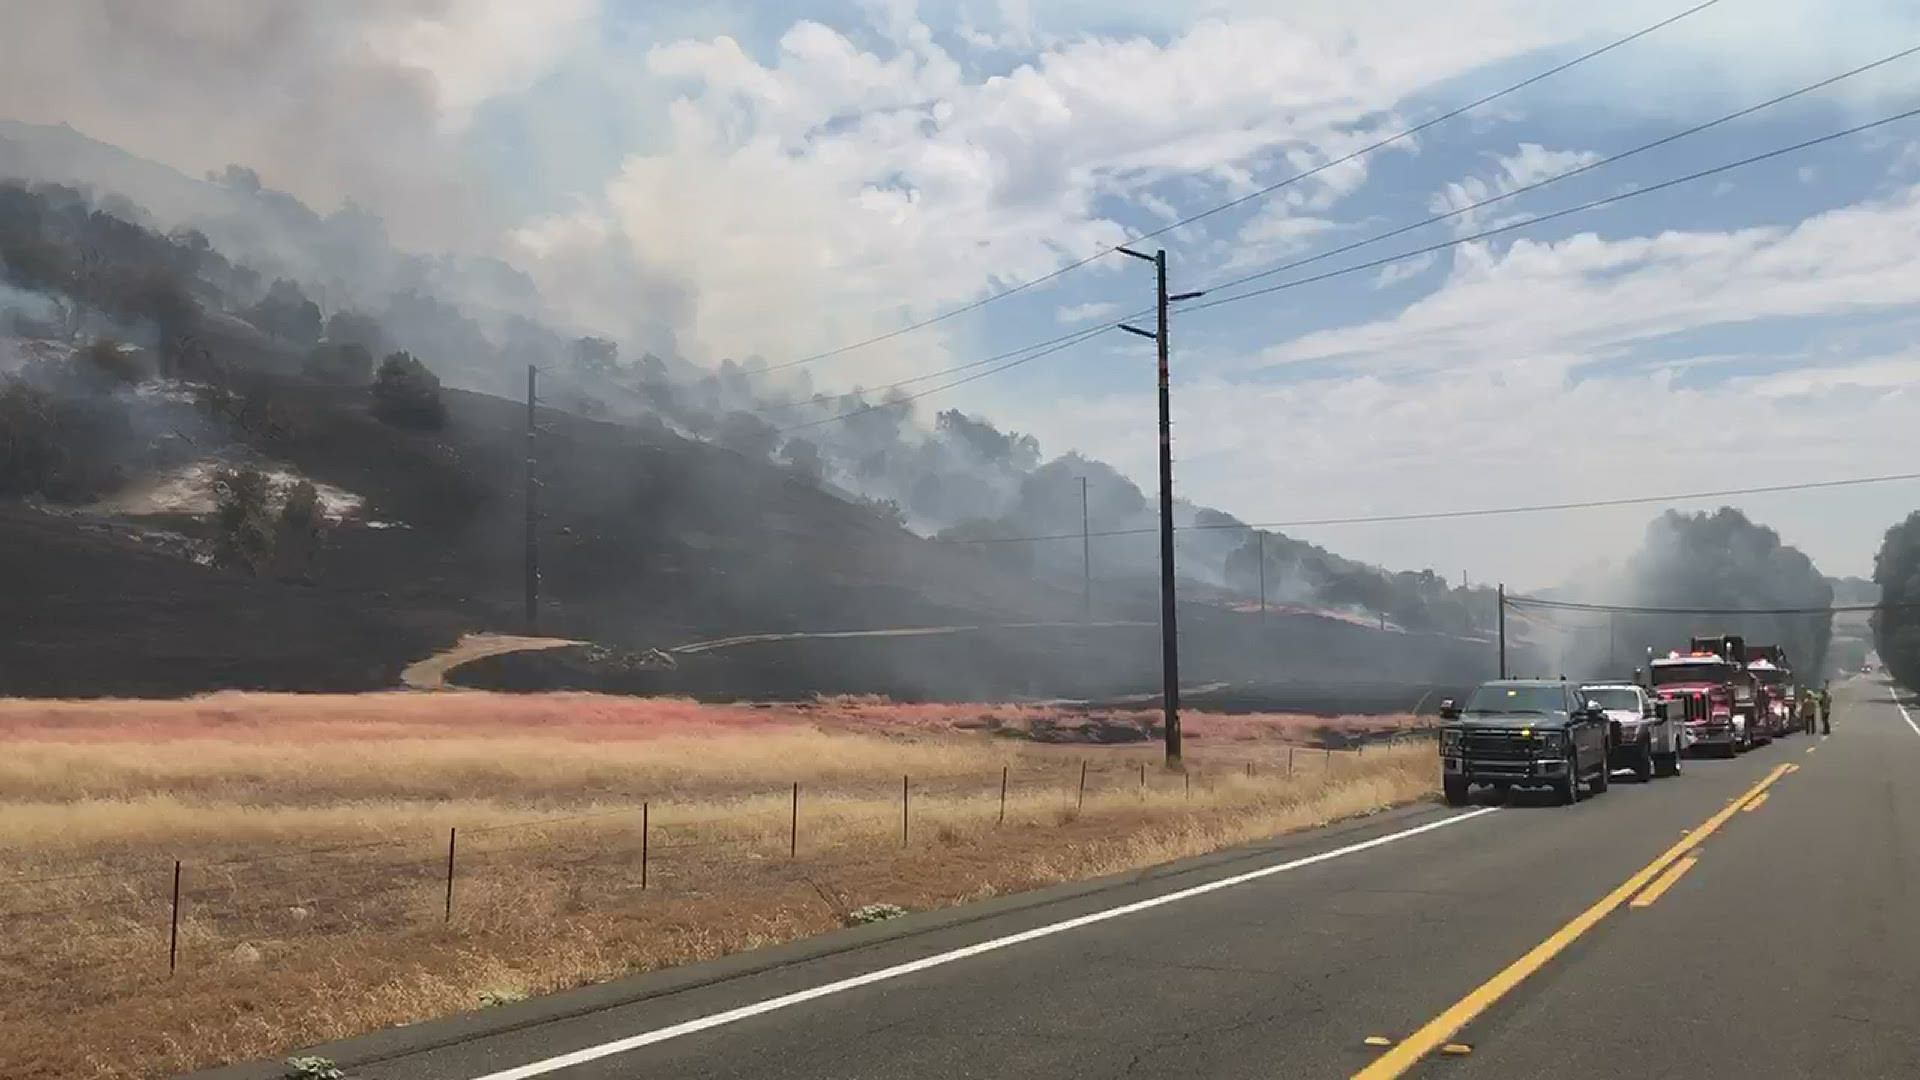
[1440, 515]
[1498, 230]
[1074, 336]
[1628, 609]
[1567, 212]
[905, 398]
[1577, 171]
[1258, 193]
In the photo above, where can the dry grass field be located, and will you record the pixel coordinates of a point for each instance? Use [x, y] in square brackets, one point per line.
[313, 833]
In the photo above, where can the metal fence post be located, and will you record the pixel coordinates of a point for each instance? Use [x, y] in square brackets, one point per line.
[1082, 803]
[173, 935]
[903, 811]
[793, 841]
[1003, 794]
[451, 833]
[1289, 762]
[643, 844]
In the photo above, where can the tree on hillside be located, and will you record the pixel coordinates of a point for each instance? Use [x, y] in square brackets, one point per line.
[1896, 628]
[285, 312]
[300, 528]
[353, 328]
[595, 356]
[245, 536]
[349, 365]
[407, 394]
[747, 434]
[1724, 560]
[803, 457]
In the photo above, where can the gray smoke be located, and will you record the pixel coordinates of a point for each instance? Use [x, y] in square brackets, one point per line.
[1719, 559]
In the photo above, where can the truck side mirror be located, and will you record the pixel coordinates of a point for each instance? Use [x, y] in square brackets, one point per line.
[1449, 710]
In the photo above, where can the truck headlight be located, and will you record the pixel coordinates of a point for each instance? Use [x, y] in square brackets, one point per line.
[1552, 741]
[1449, 741]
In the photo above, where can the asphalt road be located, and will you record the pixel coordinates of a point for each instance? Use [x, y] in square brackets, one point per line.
[1789, 946]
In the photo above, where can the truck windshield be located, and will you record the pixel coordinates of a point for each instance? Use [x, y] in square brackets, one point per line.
[1613, 698]
[1491, 700]
[1769, 676]
[1706, 671]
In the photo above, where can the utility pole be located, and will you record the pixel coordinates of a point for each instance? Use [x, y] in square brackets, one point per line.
[1169, 630]
[1086, 558]
[533, 512]
[1502, 594]
[1261, 538]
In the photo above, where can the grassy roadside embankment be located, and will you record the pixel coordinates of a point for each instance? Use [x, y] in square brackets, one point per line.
[314, 833]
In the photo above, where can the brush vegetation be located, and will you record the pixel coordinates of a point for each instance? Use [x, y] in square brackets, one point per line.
[314, 834]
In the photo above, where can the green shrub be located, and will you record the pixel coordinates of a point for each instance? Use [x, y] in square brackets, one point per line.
[309, 1067]
[873, 913]
[407, 394]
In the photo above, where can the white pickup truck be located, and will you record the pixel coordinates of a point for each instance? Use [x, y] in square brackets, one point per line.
[1645, 739]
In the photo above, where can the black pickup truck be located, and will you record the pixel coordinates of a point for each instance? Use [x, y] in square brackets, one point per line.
[1523, 733]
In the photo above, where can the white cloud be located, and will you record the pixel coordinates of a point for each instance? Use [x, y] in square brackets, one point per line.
[1079, 313]
[1529, 165]
[477, 50]
[831, 192]
[1484, 393]
[1395, 272]
[1575, 300]
[357, 98]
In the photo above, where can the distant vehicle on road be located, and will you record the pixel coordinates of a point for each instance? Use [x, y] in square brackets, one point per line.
[1645, 737]
[1524, 733]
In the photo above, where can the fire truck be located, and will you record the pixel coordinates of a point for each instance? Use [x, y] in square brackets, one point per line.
[1711, 683]
[1777, 699]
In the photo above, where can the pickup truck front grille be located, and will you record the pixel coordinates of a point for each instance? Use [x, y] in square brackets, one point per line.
[1495, 745]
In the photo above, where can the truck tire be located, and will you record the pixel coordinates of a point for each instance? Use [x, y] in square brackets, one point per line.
[1569, 788]
[1456, 790]
[1666, 764]
[1643, 764]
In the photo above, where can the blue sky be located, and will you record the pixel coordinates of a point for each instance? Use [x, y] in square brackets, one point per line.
[813, 173]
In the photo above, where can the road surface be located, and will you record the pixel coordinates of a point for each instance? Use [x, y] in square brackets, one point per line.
[1681, 928]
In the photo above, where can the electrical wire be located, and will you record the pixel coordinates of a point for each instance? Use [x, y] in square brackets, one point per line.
[1590, 166]
[1258, 193]
[904, 399]
[863, 391]
[1439, 515]
[1057, 344]
[1555, 215]
[1624, 609]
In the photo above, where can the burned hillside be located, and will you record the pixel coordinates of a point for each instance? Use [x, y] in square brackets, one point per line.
[148, 378]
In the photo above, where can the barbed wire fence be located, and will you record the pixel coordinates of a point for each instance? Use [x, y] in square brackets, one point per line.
[172, 912]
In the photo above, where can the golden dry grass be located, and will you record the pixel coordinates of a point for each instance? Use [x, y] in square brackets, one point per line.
[283, 945]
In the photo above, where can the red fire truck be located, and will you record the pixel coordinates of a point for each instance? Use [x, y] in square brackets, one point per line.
[1776, 705]
[1712, 676]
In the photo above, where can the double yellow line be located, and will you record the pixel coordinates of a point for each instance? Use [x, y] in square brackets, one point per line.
[1437, 1031]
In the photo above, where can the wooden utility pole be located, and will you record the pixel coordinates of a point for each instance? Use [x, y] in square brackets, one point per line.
[1169, 628]
[1086, 558]
[533, 511]
[1502, 595]
[1261, 538]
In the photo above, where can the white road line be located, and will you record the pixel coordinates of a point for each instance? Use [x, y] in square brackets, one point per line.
[1904, 715]
[800, 997]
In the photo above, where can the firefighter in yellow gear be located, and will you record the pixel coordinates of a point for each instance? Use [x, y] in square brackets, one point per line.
[1809, 710]
[1826, 709]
